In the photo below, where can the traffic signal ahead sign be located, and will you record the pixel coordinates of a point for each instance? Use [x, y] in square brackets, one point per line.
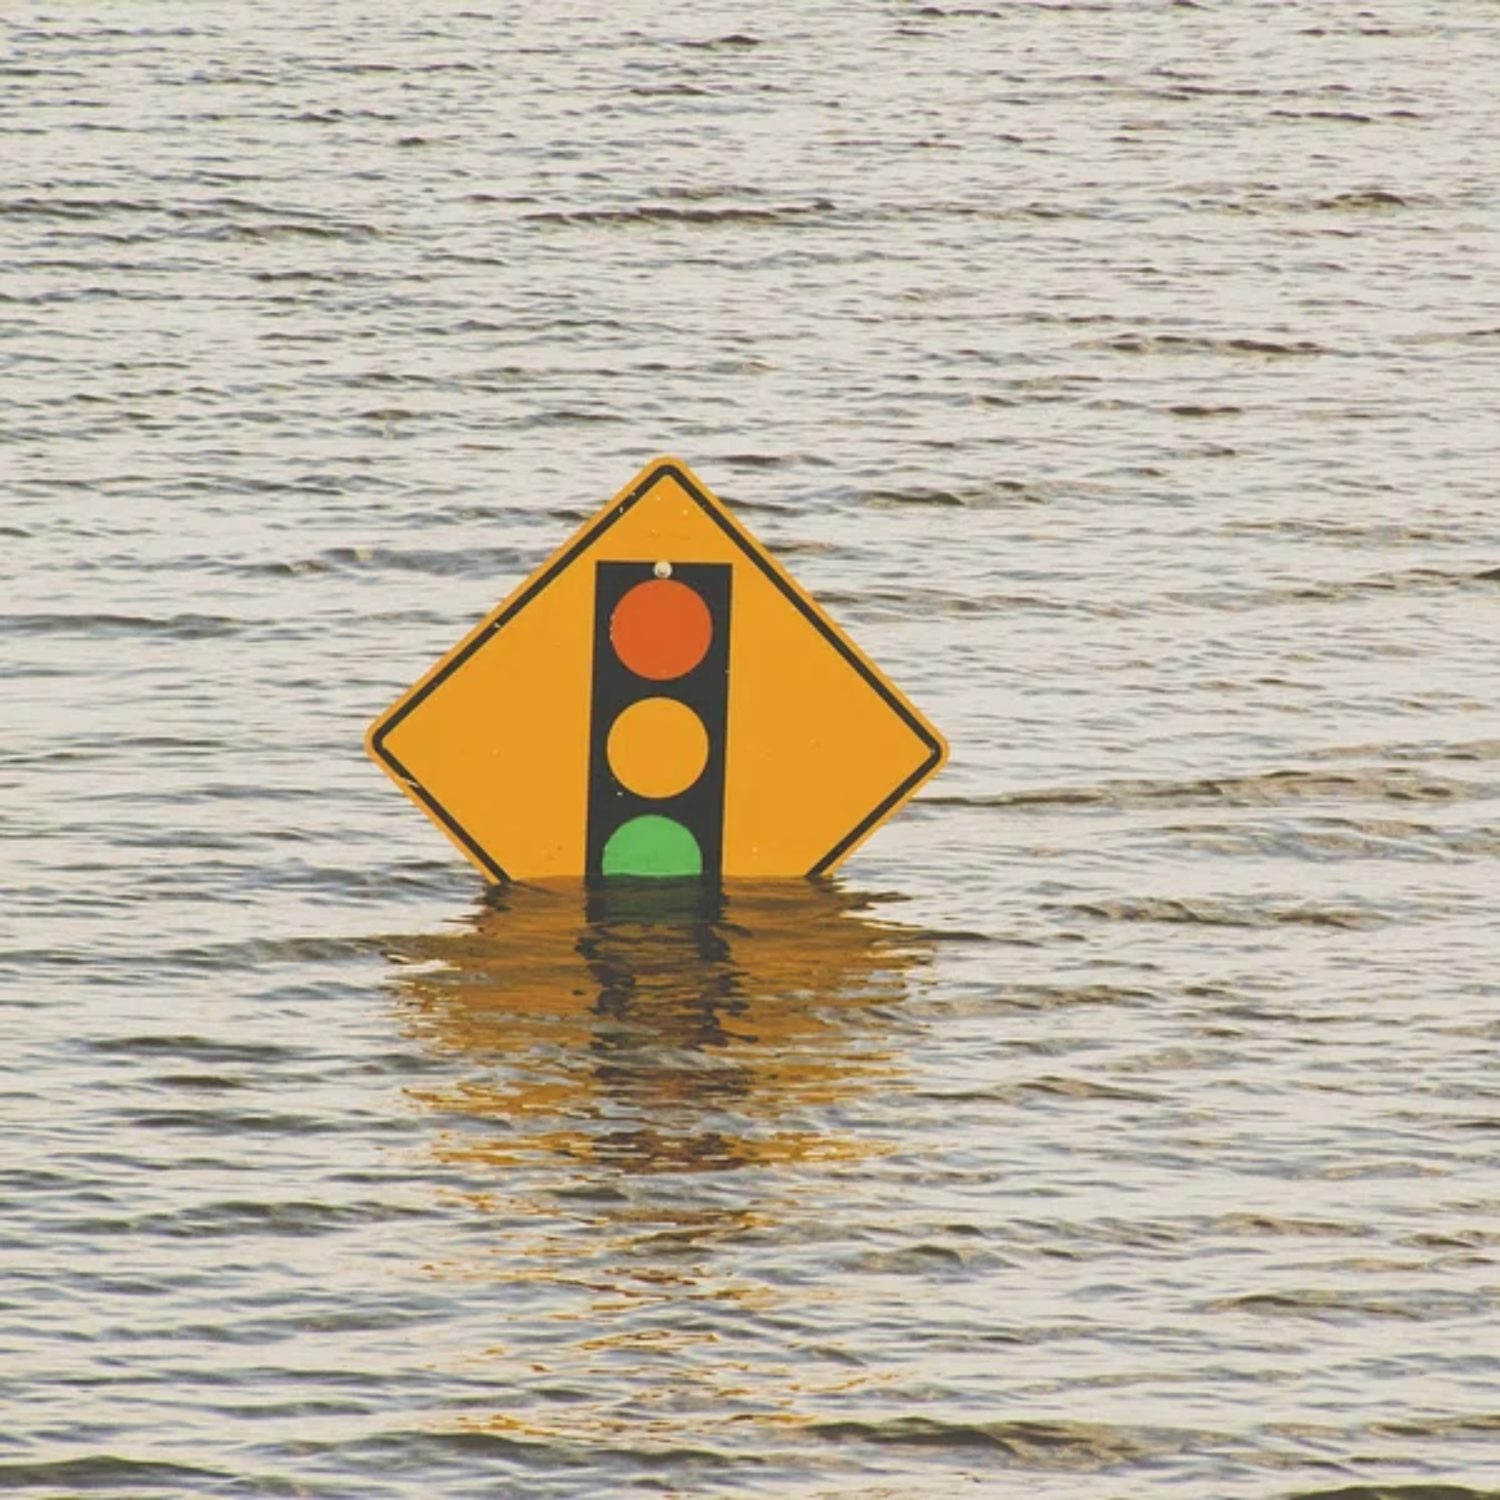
[659, 698]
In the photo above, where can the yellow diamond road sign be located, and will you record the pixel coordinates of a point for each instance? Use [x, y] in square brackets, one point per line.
[659, 698]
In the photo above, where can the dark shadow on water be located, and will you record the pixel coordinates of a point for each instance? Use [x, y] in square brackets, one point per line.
[657, 1027]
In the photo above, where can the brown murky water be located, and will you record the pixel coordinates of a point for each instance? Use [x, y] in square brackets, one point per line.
[1124, 1119]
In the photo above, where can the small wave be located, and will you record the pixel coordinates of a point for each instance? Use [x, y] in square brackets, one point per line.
[959, 13]
[1178, 343]
[1356, 533]
[917, 495]
[1407, 581]
[331, 278]
[361, 69]
[1347, 116]
[497, 561]
[568, 416]
[762, 460]
[1467, 750]
[1247, 1223]
[913, 602]
[1070, 1446]
[289, 230]
[735, 40]
[669, 91]
[341, 116]
[1344, 838]
[1456, 1239]
[210, 958]
[1055, 1086]
[1352, 201]
[666, 213]
[1203, 911]
[471, 1437]
[1050, 1086]
[1399, 1492]
[105, 1471]
[230, 1123]
[1485, 1422]
[73, 208]
[915, 1260]
[1266, 789]
[181, 627]
[948, 935]
[291, 1219]
[1026, 997]
[191, 1048]
[1363, 198]
[1328, 1305]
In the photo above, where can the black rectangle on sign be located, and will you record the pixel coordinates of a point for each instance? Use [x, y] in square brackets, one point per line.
[703, 687]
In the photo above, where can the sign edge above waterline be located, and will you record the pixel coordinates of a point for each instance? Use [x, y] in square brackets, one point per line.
[569, 552]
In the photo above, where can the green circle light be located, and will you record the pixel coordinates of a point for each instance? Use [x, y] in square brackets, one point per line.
[652, 845]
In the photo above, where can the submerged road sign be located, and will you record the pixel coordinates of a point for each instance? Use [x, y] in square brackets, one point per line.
[659, 698]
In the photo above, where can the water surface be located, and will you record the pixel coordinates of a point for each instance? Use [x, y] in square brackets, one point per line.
[1123, 1119]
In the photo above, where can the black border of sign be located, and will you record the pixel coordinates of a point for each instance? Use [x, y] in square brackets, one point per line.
[585, 540]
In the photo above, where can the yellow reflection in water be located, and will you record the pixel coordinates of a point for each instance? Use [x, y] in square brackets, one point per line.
[657, 1028]
[649, 1089]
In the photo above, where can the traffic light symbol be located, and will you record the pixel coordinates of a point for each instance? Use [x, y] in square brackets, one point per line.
[657, 719]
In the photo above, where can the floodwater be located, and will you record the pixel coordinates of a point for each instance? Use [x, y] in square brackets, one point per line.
[1123, 1120]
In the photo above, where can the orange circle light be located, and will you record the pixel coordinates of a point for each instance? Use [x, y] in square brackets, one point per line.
[661, 629]
[657, 747]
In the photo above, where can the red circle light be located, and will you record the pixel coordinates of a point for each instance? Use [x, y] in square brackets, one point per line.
[661, 629]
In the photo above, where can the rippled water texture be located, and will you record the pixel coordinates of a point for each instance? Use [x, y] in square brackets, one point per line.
[1123, 1120]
